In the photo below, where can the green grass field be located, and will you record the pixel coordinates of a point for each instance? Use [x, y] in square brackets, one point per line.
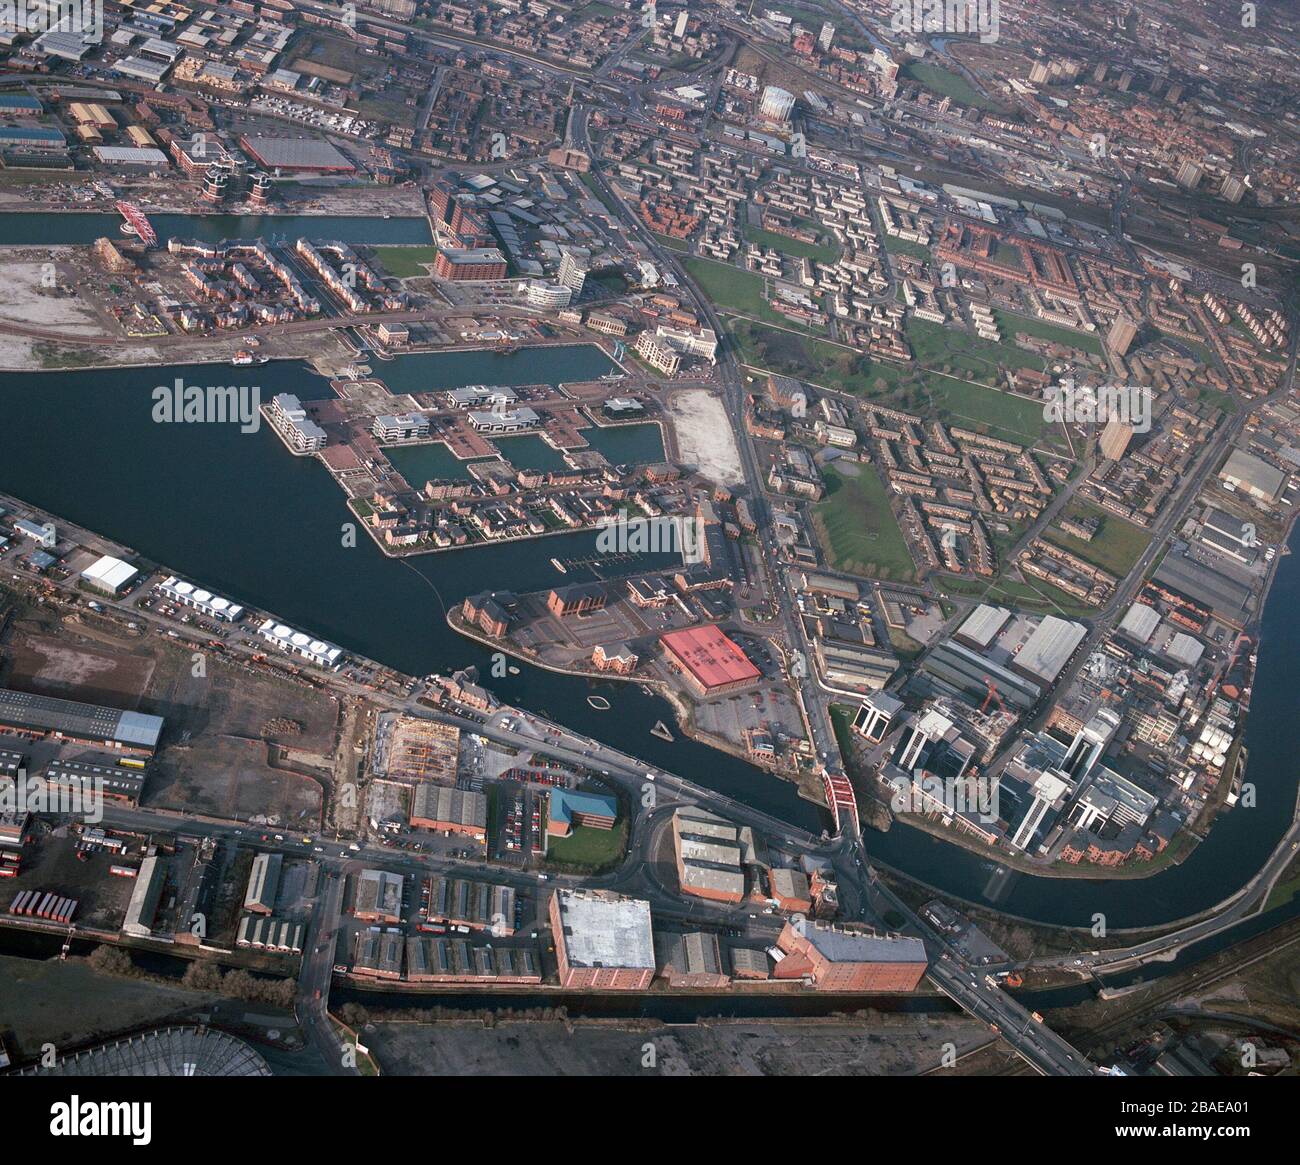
[733, 289]
[817, 361]
[947, 84]
[857, 528]
[905, 247]
[1011, 324]
[1115, 547]
[1035, 595]
[588, 848]
[963, 353]
[405, 262]
[818, 252]
[986, 410]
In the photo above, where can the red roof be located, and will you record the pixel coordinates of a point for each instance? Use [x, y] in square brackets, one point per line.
[710, 656]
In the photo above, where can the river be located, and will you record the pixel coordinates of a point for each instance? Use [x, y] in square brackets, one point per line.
[235, 512]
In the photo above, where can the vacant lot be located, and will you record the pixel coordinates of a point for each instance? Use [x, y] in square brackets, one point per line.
[857, 528]
[986, 410]
[405, 262]
[76, 669]
[876, 1045]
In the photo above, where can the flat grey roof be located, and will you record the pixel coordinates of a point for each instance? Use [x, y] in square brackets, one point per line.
[602, 929]
[88, 721]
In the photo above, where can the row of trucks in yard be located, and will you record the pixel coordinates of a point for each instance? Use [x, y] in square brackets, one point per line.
[44, 904]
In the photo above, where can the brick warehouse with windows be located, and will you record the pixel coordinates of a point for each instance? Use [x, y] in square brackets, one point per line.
[711, 663]
[847, 958]
[602, 940]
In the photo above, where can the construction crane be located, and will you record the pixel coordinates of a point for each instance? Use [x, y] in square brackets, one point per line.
[993, 695]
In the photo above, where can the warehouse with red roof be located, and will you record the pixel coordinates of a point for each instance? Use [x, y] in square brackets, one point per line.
[711, 662]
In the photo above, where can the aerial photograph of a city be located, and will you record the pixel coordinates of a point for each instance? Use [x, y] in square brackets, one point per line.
[641, 538]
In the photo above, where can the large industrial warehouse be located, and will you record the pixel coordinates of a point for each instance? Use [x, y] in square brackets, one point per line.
[85, 723]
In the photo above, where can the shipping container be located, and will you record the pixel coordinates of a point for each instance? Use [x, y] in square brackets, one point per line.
[123, 871]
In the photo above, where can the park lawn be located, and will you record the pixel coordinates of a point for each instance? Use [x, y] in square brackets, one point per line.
[857, 528]
[1011, 323]
[936, 346]
[1035, 595]
[906, 247]
[1115, 547]
[946, 83]
[817, 252]
[817, 361]
[986, 410]
[733, 289]
[405, 262]
[680, 245]
[589, 848]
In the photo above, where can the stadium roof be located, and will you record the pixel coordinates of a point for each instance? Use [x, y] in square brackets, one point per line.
[26, 710]
[173, 1051]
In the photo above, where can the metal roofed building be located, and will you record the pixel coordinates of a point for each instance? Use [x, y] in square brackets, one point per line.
[31, 135]
[710, 661]
[1230, 601]
[27, 712]
[1252, 476]
[693, 959]
[709, 853]
[982, 626]
[1049, 648]
[145, 895]
[602, 940]
[459, 810]
[1140, 622]
[379, 896]
[957, 668]
[109, 576]
[281, 153]
[189, 595]
[263, 883]
[300, 643]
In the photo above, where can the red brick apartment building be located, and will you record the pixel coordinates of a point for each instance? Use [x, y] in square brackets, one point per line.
[602, 940]
[576, 600]
[849, 958]
[480, 263]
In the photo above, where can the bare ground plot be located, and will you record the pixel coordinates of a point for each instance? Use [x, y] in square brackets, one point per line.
[231, 701]
[704, 435]
[229, 776]
[38, 295]
[69, 1005]
[880, 1045]
[61, 666]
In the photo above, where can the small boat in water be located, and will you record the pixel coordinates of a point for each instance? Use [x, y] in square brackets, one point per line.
[599, 703]
[514, 671]
[661, 730]
[555, 562]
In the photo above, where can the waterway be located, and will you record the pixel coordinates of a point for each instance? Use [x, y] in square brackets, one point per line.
[237, 513]
[74, 227]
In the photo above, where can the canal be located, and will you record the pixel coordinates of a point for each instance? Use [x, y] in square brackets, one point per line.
[235, 512]
[75, 227]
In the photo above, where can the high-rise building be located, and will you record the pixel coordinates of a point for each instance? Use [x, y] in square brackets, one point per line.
[1089, 743]
[1189, 175]
[1121, 335]
[1115, 438]
[1233, 188]
[573, 273]
[827, 37]
[876, 715]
